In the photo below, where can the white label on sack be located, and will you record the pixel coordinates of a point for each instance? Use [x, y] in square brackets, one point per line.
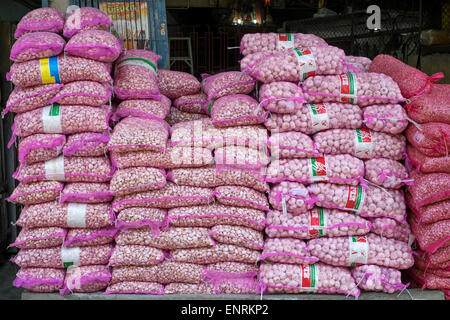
[70, 256]
[363, 143]
[359, 250]
[349, 88]
[319, 117]
[306, 62]
[309, 273]
[356, 197]
[76, 215]
[283, 204]
[51, 119]
[318, 169]
[418, 137]
[141, 62]
[317, 222]
[299, 192]
[285, 41]
[54, 169]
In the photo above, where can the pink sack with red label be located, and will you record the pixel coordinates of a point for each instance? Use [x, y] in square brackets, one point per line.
[361, 143]
[273, 42]
[427, 164]
[358, 250]
[315, 223]
[281, 97]
[432, 139]
[411, 81]
[41, 19]
[340, 169]
[387, 173]
[318, 277]
[226, 83]
[369, 202]
[174, 84]
[312, 118]
[363, 89]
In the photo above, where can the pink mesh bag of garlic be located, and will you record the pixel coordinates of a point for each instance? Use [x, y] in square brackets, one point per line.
[429, 188]
[376, 278]
[389, 118]
[40, 147]
[363, 89]
[286, 250]
[58, 69]
[138, 134]
[306, 278]
[410, 80]
[173, 157]
[288, 145]
[86, 192]
[86, 144]
[236, 110]
[430, 213]
[41, 19]
[241, 197]
[238, 157]
[143, 108]
[358, 64]
[136, 217]
[222, 286]
[135, 255]
[39, 238]
[61, 119]
[192, 103]
[137, 179]
[238, 235]
[429, 108]
[361, 143]
[170, 239]
[273, 42]
[176, 116]
[98, 45]
[170, 196]
[427, 164]
[386, 173]
[26, 99]
[86, 279]
[391, 229]
[368, 202]
[174, 84]
[281, 97]
[36, 192]
[315, 223]
[189, 288]
[85, 18]
[292, 197]
[429, 280]
[136, 287]
[229, 270]
[358, 250]
[432, 139]
[218, 253]
[136, 75]
[82, 237]
[37, 45]
[297, 64]
[312, 118]
[70, 169]
[61, 257]
[226, 83]
[340, 169]
[431, 236]
[68, 215]
[164, 273]
[423, 261]
[209, 216]
[210, 177]
[40, 279]
[88, 93]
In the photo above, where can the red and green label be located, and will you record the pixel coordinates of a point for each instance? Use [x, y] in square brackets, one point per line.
[355, 199]
[54, 110]
[318, 169]
[359, 250]
[363, 143]
[306, 62]
[285, 41]
[319, 117]
[284, 37]
[309, 275]
[317, 222]
[348, 87]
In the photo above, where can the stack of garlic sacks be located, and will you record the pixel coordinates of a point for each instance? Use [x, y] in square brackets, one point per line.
[338, 218]
[63, 106]
[427, 155]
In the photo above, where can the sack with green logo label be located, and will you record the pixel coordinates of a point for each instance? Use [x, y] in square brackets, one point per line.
[136, 75]
[363, 89]
[306, 278]
[40, 279]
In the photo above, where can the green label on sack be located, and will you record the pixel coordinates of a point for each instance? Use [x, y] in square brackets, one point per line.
[54, 110]
[210, 106]
[137, 62]
[355, 199]
[67, 264]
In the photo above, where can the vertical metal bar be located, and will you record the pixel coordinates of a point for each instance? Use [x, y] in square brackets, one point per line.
[419, 51]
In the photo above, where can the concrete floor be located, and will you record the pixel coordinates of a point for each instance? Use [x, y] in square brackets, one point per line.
[8, 272]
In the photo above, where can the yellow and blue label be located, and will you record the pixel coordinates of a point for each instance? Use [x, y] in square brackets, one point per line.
[49, 70]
